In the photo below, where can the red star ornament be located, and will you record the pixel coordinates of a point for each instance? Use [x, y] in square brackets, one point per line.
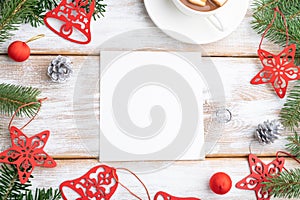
[26, 153]
[278, 69]
[260, 172]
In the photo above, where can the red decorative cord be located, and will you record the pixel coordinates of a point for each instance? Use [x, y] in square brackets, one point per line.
[24, 105]
[276, 10]
[132, 193]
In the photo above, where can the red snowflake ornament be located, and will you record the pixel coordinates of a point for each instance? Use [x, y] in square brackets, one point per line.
[260, 172]
[99, 183]
[74, 17]
[277, 69]
[26, 153]
[166, 196]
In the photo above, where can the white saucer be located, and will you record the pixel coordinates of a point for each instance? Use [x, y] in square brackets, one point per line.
[197, 30]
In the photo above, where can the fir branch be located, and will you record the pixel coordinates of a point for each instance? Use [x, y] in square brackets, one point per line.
[286, 185]
[41, 194]
[294, 145]
[290, 113]
[12, 97]
[10, 187]
[11, 14]
[263, 14]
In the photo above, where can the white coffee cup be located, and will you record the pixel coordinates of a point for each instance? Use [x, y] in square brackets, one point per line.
[211, 16]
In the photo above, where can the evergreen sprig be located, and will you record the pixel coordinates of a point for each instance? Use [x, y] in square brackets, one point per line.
[263, 15]
[41, 194]
[290, 113]
[12, 189]
[13, 96]
[286, 185]
[15, 12]
[294, 145]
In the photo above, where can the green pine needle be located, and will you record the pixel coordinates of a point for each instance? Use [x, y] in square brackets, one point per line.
[286, 185]
[12, 97]
[10, 187]
[263, 14]
[290, 113]
[294, 145]
[41, 194]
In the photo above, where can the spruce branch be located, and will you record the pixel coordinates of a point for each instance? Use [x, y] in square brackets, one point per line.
[10, 187]
[290, 113]
[41, 194]
[294, 145]
[13, 96]
[286, 185]
[263, 14]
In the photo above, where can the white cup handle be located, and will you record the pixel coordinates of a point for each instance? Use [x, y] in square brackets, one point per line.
[215, 20]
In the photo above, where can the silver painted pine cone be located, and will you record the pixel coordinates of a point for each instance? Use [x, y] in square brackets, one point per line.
[60, 69]
[268, 131]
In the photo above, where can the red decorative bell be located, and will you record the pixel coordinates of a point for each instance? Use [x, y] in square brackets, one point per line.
[71, 20]
[166, 196]
[99, 183]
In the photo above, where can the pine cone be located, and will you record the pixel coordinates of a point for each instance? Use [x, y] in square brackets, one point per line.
[268, 131]
[60, 69]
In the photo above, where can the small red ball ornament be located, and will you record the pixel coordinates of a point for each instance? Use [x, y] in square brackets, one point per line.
[220, 183]
[18, 51]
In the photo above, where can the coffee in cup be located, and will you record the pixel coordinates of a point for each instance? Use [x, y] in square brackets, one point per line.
[208, 9]
[204, 5]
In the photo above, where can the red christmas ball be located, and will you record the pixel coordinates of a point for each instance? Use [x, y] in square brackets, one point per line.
[220, 183]
[18, 51]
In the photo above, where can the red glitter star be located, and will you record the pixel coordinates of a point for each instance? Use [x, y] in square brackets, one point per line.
[260, 172]
[278, 69]
[26, 153]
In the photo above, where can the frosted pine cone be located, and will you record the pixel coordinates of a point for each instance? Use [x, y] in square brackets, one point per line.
[268, 131]
[60, 69]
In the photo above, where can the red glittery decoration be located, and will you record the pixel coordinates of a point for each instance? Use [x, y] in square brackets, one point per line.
[99, 183]
[277, 69]
[166, 196]
[260, 172]
[26, 153]
[74, 17]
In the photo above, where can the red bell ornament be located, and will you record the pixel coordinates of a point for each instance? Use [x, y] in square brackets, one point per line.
[71, 20]
[165, 196]
[99, 183]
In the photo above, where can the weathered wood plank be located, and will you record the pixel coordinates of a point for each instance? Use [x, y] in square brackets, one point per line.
[180, 178]
[130, 15]
[250, 105]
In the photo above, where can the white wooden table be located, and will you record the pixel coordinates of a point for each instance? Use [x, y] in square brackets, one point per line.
[236, 60]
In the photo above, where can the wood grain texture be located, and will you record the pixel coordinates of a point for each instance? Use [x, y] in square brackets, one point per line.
[71, 121]
[179, 178]
[71, 112]
[131, 15]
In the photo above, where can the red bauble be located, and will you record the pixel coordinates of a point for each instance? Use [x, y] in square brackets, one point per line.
[18, 51]
[220, 183]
